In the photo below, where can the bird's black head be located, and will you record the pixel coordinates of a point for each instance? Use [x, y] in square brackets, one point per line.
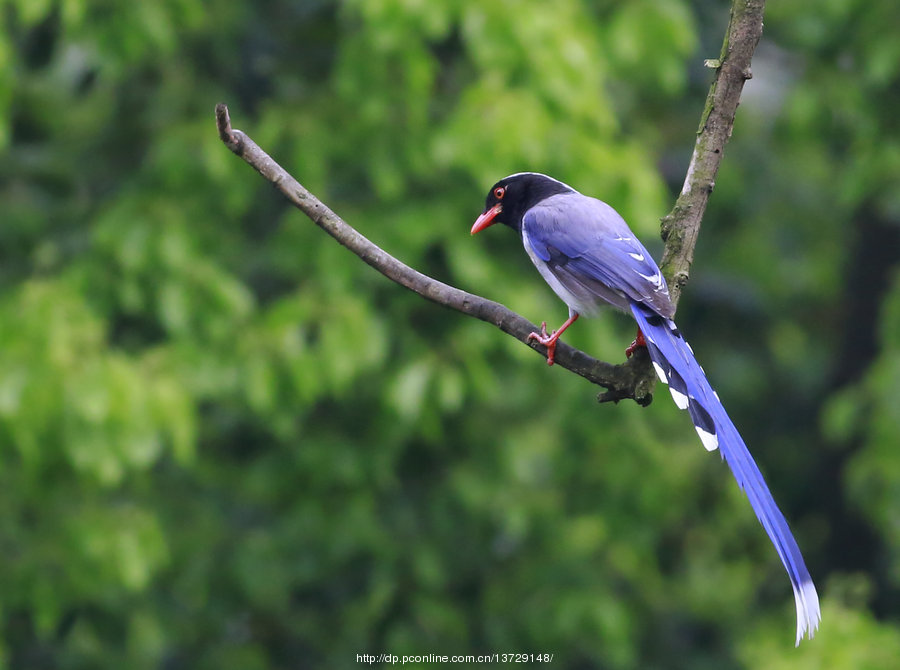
[512, 196]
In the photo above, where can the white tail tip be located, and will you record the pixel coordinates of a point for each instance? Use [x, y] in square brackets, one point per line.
[808, 613]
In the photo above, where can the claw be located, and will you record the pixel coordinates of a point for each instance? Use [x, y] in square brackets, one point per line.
[551, 352]
[549, 341]
[638, 342]
[540, 337]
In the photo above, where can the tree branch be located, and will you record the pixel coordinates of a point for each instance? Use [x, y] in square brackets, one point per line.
[682, 225]
[633, 379]
[628, 380]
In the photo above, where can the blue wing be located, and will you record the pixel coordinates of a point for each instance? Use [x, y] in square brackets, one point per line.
[585, 246]
[676, 366]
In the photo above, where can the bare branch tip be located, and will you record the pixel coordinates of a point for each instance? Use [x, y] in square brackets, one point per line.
[226, 133]
[223, 121]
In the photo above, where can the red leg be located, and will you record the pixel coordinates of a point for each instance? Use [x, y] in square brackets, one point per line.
[549, 341]
[639, 342]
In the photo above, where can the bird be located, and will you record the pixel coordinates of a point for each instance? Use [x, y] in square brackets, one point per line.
[590, 258]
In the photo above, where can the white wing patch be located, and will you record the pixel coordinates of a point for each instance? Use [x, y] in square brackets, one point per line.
[653, 279]
[637, 257]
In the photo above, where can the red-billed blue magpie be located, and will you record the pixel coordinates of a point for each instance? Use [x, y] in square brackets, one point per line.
[587, 254]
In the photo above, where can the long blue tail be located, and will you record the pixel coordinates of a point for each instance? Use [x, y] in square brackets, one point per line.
[676, 366]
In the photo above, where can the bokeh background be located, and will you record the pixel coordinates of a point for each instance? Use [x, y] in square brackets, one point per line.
[226, 443]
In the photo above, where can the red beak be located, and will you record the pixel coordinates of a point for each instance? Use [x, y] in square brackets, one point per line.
[486, 219]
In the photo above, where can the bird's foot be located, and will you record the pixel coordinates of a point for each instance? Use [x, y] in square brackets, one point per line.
[638, 342]
[548, 341]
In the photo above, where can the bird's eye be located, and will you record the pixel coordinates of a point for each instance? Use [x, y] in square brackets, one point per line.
[499, 192]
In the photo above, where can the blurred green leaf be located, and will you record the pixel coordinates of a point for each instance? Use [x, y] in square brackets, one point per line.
[227, 443]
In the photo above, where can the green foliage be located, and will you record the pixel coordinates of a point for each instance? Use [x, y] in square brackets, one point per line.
[227, 443]
[841, 648]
